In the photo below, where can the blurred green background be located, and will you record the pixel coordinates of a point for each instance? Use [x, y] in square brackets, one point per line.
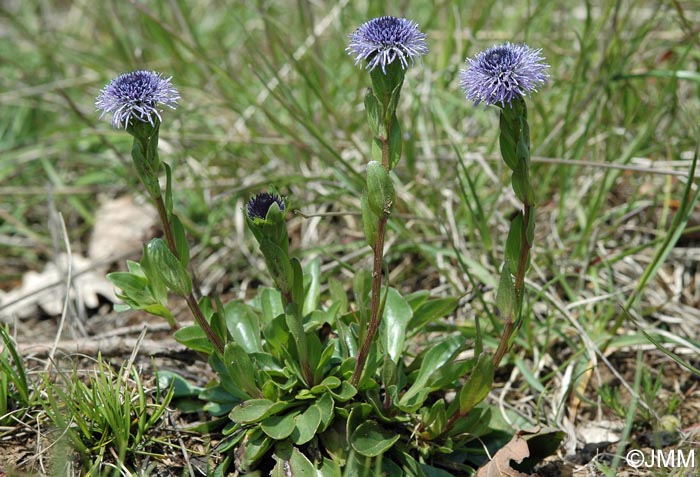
[270, 98]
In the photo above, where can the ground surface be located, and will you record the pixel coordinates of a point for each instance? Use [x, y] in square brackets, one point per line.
[609, 352]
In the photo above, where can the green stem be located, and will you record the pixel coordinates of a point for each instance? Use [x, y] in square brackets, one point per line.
[192, 303]
[451, 421]
[515, 148]
[509, 325]
[375, 312]
[386, 153]
[165, 222]
[375, 315]
[503, 343]
[213, 338]
[387, 88]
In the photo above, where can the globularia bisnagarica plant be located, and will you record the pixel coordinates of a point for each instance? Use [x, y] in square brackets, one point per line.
[308, 383]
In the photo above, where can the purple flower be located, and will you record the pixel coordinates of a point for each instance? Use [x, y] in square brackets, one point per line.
[260, 204]
[382, 40]
[503, 73]
[136, 95]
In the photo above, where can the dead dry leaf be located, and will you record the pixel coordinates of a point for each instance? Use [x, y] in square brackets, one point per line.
[46, 289]
[601, 431]
[121, 227]
[499, 466]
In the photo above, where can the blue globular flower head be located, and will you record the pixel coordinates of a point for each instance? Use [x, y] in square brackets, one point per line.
[260, 204]
[382, 40]
[503, 73]
[136, 95]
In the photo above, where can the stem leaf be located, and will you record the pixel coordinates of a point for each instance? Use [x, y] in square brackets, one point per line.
[181, 245]
[397, 315]
[395, 143]
[478, 385]
[374, 114]
[380, 189]
[505, 297]
[168, 267]
[278, 265]
[514, 242]
[369, 220]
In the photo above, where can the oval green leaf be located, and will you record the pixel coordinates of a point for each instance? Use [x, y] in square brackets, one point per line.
[243, 325]
[168, 267]
[194, 338]
[279, 427]
[397, 315]
[434, 359]
[371, 440]
[380, 189]
[254, 410]
[306, 425]
[478, 385]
